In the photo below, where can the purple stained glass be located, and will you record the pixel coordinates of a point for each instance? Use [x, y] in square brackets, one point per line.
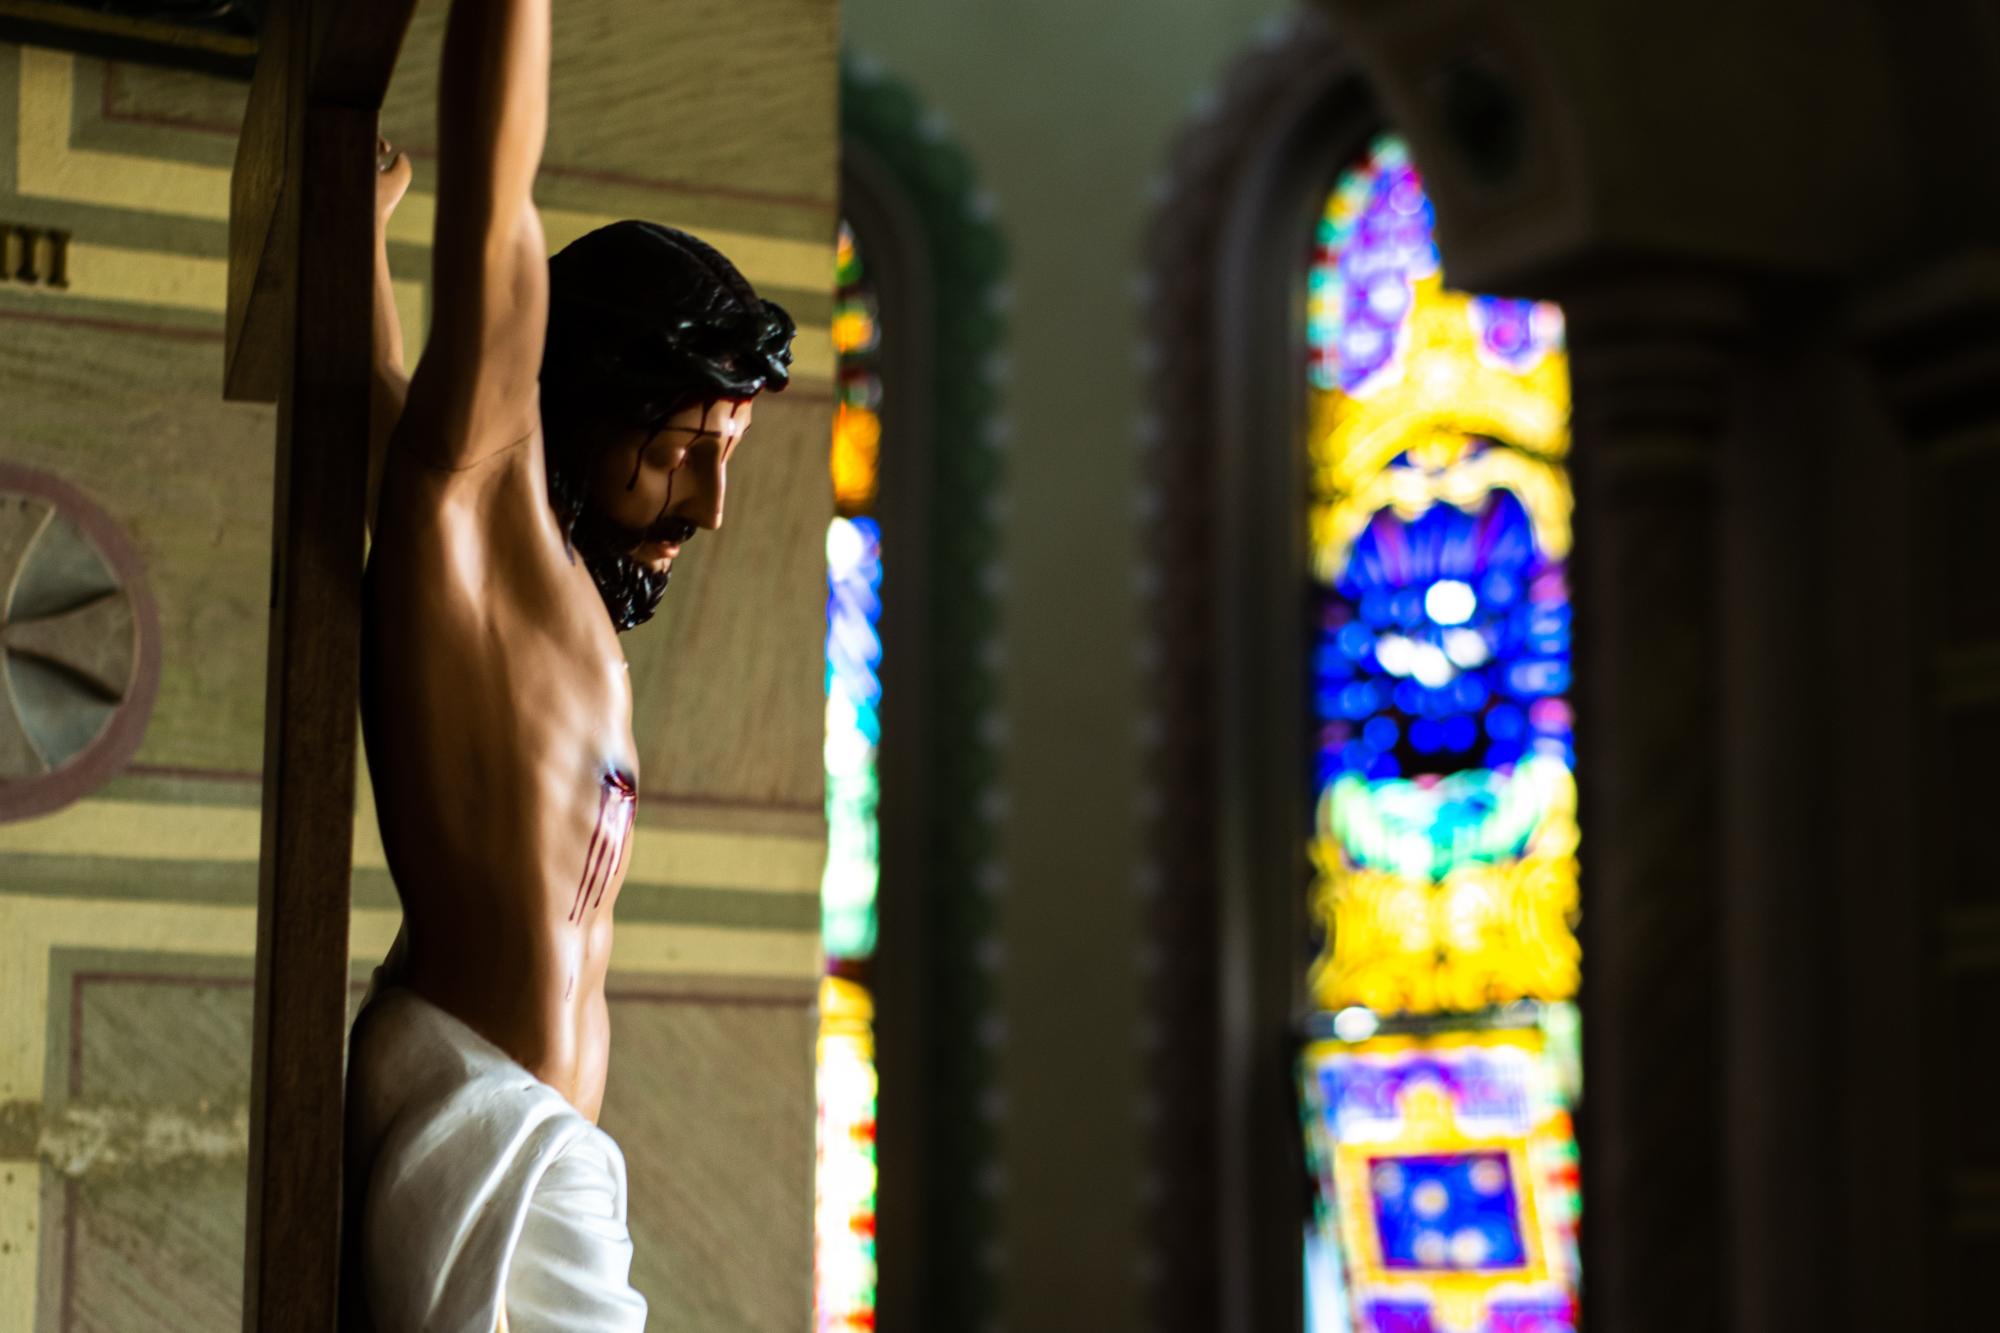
[1399, 1317]
[1378, 263]
[1532, 1317]
[1507, 330]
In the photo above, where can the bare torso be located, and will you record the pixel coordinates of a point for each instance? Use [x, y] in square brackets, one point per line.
[496, 702]
[497, 709]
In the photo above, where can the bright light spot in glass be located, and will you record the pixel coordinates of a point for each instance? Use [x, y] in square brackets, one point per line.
[1356, 1023]
[1466, 647]
[846, 1177]
[845, 547]
[1430, 666]
[1469, 1248]
[1450, 602]
[1430, 1199]
[1396, 654]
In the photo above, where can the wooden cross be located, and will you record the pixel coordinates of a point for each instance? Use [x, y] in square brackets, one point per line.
[301, 237]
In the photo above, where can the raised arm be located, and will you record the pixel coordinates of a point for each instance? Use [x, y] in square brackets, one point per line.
[475, 391]
[390, 382]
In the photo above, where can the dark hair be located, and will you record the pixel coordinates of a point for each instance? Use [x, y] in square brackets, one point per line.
[645, 320]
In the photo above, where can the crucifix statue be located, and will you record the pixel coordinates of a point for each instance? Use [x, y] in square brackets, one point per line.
[567, 431]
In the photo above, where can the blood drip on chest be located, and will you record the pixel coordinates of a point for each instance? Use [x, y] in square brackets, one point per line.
[609, 840]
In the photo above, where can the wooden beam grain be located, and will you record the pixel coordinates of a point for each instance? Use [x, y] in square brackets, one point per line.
[262, 229]
[301, 330]
[326, 54]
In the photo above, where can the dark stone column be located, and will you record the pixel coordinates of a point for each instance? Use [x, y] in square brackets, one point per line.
[1651, 356]
[1928, 939]
[1814, 773]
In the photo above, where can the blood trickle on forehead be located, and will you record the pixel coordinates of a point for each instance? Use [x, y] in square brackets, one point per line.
[729, 430]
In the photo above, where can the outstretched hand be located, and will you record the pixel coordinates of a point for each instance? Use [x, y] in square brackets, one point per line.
[390, 383]
[392, 179]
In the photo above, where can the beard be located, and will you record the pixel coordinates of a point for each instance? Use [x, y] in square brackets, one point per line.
[631, 590]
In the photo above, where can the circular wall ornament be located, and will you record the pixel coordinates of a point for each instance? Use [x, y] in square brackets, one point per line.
[79, 645]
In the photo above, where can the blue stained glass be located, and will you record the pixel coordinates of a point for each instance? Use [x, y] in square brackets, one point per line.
[1381, 732]
[1446, 1212]
[1449, 626]
[1499, 586]
[1539, 676]
[1359, 700]
[1440, 526]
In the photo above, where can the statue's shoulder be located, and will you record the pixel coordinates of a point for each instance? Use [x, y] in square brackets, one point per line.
[503, 497]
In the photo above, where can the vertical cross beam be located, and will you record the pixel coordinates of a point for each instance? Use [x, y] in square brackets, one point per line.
[300, 329]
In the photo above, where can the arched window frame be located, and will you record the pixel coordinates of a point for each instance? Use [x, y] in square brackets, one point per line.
[937, 262]
[1223, 863]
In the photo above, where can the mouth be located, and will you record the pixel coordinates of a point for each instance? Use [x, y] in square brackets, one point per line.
[658, 554]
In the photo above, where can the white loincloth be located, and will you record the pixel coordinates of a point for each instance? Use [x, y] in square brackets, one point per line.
[483, 1186]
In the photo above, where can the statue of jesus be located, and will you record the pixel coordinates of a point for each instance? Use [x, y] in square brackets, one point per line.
[567, 432]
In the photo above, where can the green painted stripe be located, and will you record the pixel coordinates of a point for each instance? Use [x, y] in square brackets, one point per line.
[234, 884]
[42, 301]
[228, 884]
[164, 790]
[203, 239]
[718, 907]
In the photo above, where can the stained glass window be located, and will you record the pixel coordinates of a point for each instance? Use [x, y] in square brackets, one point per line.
[1439, 1076]
[844, 1257]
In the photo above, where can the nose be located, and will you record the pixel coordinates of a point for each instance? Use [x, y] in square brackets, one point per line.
[699, 489]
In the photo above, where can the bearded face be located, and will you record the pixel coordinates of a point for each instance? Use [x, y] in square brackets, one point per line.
[630, 586]
[645, 492]
[656, 345]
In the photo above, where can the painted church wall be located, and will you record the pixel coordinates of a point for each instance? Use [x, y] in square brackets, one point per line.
[127, 916]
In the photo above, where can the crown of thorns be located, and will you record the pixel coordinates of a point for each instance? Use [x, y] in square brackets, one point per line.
[650, 361]
[651, 314]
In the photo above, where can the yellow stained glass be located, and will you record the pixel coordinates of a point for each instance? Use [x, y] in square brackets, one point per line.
[1444, 846]
[857, 446]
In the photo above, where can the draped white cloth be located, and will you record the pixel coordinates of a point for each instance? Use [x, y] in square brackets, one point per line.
[481, 1186]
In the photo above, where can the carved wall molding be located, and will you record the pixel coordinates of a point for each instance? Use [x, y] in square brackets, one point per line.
[214, 36]
[79, 645]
